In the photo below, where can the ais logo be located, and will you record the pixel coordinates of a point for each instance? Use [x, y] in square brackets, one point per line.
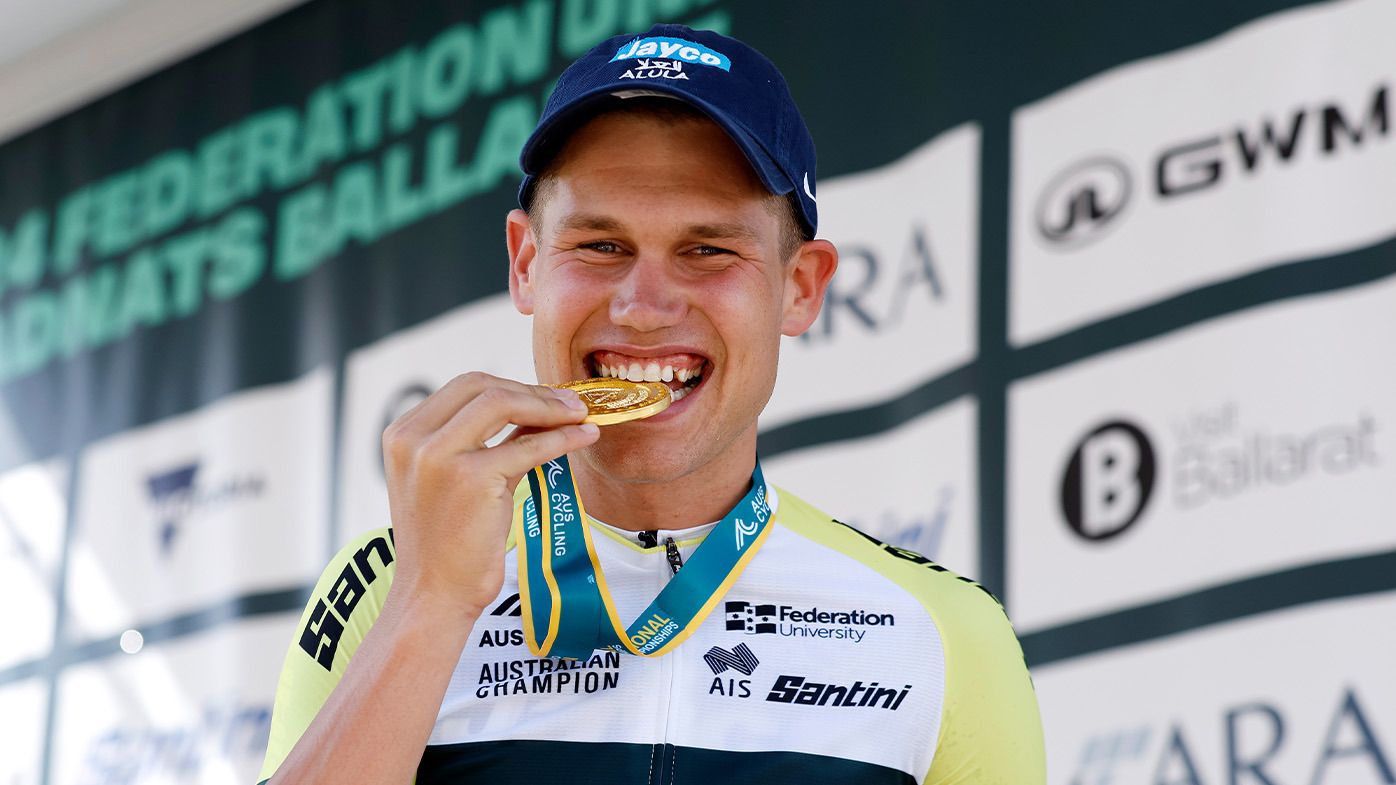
[740, 659]
[673, 49]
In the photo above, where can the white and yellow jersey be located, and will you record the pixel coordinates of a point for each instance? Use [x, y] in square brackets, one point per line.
[833, 658]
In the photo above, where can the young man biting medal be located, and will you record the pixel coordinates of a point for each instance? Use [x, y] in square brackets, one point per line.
[631, 601]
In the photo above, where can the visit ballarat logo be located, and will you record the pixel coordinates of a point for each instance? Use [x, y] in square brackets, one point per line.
[180, 496]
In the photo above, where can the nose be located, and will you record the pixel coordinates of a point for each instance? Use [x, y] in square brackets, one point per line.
[648, 298]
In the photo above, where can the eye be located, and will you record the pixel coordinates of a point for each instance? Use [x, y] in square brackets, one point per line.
[601, 246]
[711, 250]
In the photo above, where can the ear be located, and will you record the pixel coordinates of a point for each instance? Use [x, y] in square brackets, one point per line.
[807, 278]
[523, 249]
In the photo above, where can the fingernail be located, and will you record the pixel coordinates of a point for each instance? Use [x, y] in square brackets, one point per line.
[589, 428]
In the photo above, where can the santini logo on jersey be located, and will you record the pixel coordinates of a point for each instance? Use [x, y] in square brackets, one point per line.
[320, 638]
[794, 689]
[673, 49]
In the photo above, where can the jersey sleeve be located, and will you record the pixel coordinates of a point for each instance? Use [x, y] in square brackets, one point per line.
[990, 727]
[342, 608]
[991, 730]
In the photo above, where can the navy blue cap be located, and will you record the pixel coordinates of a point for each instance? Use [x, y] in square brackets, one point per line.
[732, 83]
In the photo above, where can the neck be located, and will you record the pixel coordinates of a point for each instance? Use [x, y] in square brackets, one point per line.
[692, 499]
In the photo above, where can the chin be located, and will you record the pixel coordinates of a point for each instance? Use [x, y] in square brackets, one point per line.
[629, 461]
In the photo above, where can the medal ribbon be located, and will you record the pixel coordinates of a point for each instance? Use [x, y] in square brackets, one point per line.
[567, 608]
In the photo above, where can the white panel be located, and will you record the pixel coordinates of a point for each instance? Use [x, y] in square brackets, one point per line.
[913, 487]
[33, 512]
[30, 25]
[99, 53]
[1270, 434]
[199, 508]
[23, 712]
[387, 378]
[901, 308]
[194, 710]
[1298, 696]
[1185, 191]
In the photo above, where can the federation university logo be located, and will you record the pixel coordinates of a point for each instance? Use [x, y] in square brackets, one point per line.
[849, 626]
[751, 619]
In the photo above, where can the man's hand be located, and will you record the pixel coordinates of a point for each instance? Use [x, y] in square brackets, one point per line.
[452, 498]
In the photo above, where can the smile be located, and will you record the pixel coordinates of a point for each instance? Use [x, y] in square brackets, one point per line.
[681, 372]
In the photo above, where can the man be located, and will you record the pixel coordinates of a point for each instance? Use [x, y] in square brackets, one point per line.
[667, 233]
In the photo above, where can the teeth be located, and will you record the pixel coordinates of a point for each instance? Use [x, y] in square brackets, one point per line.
[678, 394]
[648, 372]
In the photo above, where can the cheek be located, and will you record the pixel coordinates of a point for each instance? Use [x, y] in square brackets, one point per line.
[751, 333]
[561, 309]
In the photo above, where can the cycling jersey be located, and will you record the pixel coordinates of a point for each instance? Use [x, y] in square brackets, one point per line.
[833, 658]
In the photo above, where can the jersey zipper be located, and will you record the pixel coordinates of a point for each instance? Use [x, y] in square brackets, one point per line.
[669, 665]
[671, 552]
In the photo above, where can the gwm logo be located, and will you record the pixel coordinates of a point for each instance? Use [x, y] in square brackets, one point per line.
[1078, 204]
[1084, 199]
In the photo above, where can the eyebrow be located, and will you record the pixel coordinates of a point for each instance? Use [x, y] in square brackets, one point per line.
[714, 231]
[723, 231]
[599, 223]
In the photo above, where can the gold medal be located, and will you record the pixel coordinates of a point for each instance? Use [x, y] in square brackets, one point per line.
[611, 401]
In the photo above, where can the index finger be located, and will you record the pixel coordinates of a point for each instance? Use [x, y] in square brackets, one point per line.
[496, 407]
[438, 408]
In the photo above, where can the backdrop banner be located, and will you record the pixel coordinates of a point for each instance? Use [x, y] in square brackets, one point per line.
[1110, 334]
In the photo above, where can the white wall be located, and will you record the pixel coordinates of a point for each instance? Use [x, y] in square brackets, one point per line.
[57, 56]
